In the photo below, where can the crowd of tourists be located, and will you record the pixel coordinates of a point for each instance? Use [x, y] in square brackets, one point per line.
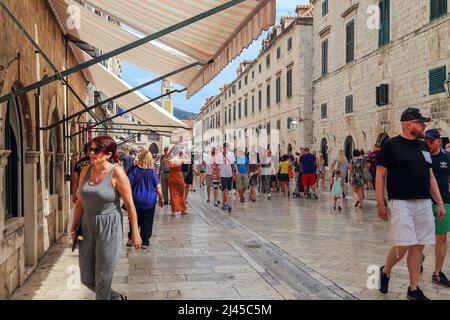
[412, 167]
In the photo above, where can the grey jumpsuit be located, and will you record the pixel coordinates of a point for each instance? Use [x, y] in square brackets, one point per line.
[101, 228]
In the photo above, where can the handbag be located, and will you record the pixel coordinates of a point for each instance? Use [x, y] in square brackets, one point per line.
[290, 172]
[78, 237]
[138, 181]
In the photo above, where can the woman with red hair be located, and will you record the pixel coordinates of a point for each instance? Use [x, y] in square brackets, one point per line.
[98, 212]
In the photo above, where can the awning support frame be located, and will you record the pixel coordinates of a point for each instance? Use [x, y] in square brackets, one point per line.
[79, 113]
[127, 111]
[43, 54]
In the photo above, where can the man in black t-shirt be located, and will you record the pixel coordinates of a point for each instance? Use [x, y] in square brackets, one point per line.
[85, 161]
[441, 170]
[405, 163]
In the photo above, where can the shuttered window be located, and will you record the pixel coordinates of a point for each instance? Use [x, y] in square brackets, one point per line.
[438, 8]
[350, 42]
[278, 89]
[348, 104]
[289, 83]
[324, 111]
[325, 57]
[437, 78]
[324, 8]
[384, 32]
[253, 104]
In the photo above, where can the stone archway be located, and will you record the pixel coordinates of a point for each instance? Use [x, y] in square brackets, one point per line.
[54, 169]
[349, 147]
[382, 138]
[26, 159]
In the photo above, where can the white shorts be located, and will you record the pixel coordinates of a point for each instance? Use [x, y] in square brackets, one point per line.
[412, 222]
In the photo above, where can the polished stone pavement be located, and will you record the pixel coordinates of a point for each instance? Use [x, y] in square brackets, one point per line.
[284, 248]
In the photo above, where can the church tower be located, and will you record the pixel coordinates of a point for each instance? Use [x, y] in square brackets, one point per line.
[167, 101]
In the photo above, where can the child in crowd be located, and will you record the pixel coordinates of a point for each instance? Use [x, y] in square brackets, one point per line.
[336, 189]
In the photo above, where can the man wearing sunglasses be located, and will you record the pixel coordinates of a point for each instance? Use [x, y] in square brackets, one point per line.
[405, 163]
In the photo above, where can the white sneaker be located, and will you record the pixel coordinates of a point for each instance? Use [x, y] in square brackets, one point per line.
[269, 196]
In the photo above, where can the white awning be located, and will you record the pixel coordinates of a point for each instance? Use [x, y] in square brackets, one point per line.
[218, 38]
[111, 85]
[107, 36]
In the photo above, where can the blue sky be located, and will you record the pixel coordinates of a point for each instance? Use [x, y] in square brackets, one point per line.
[136, 76]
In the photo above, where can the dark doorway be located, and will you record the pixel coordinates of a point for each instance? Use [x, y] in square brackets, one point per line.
[382, 138]
[13, 138]
[324, 150]
[349, 146]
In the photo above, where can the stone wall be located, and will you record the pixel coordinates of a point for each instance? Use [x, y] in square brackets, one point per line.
[416, 46]
[26, 240]
[299, 59]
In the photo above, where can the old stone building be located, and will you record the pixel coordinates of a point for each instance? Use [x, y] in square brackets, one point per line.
[372, 59]
[270, 92]
[34, 194]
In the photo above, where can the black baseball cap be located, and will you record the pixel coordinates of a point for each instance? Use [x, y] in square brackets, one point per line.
[433, 134]
[413, 114]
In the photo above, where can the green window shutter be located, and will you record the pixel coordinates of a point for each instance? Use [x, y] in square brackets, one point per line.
[350, 43]
[349, 104]
[437, 78]
[325, 57]
[384, 32]
[438, 8]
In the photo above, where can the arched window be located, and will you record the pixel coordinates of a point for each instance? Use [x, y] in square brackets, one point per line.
[349, 147]
[14, 173]
[382, 138]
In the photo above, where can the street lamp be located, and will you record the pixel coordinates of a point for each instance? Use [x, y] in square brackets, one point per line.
[294, 122]
[447, 86]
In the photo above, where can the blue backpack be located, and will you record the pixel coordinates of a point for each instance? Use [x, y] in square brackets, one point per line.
[144, 190]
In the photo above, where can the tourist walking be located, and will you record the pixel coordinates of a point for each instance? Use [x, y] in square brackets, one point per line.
[405, 163]
[242, 176]
[98, 213]
[320, 170]
[255, 169]
[441, 171]
[176, 180]
[216, 183]
[341, 163]
[163, 174]
[283, 175]
[127, 159]
[356, 174]
[372, 159]
[146, 191]
[226, 161]
[188, 175]
[336, 189]
[308, 168]
[266, 173]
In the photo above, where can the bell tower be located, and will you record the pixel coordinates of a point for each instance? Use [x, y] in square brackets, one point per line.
[167, 101]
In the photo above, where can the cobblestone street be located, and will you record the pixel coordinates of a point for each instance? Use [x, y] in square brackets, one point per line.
[284, 248]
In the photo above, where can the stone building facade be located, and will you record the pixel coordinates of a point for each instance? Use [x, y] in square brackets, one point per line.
[270, 91]
[364, 76]
[34, 196]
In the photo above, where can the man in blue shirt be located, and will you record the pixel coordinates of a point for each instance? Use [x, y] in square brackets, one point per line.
[308, 170]
[242, 178]
[127, 160]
